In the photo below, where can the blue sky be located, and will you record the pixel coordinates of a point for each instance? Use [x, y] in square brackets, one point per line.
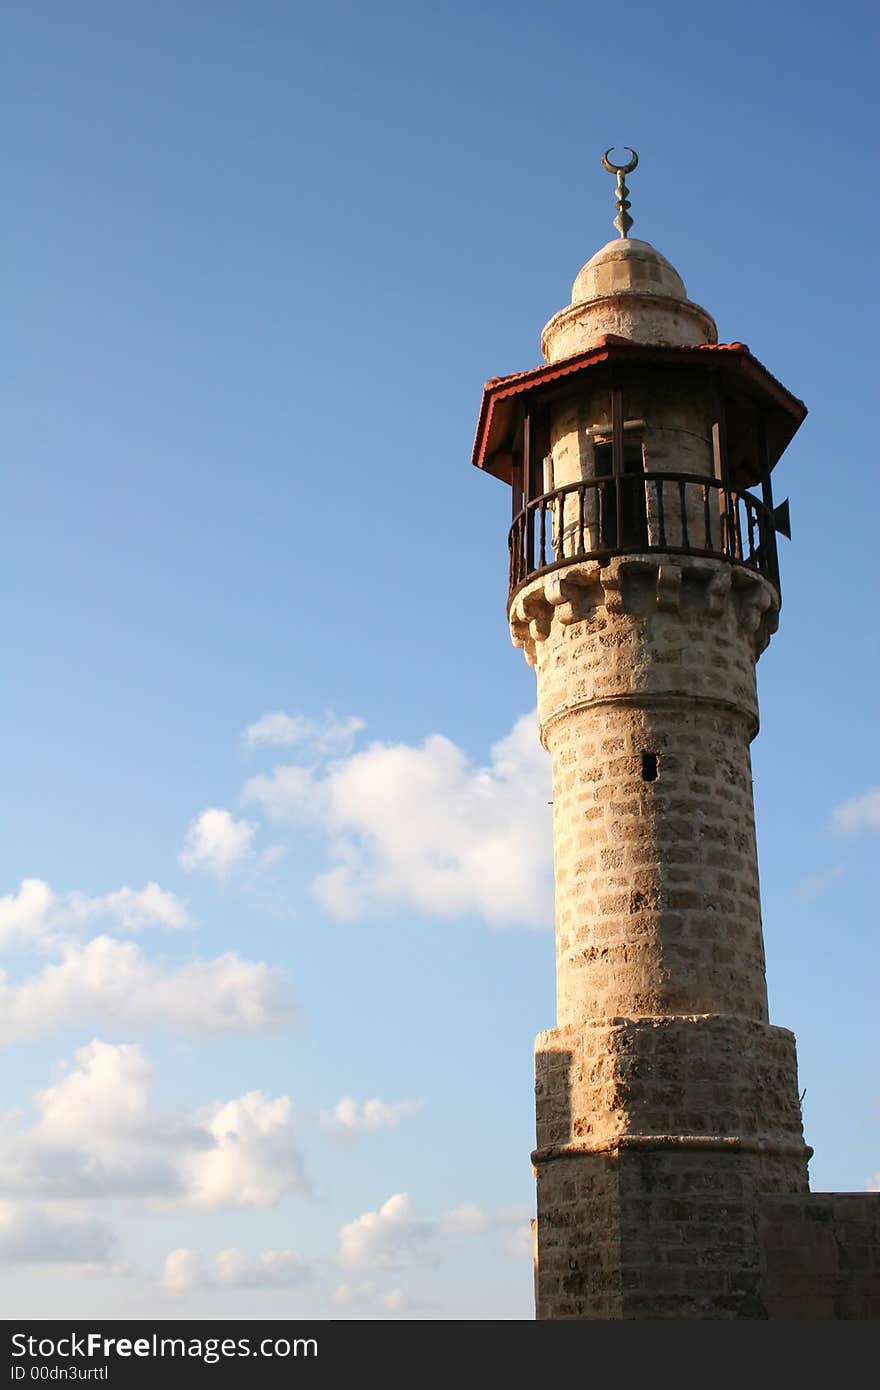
[259, 259]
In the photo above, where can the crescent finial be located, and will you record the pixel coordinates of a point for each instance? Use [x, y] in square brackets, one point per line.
[620, 168]
[622, 221]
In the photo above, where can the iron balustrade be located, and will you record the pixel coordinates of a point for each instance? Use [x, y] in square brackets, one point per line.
[642, 513]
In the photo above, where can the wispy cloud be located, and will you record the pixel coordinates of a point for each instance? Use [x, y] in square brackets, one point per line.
[369, 1293]
[858, 813]
[349, 1116]
[320, 737]
[393, 1237]
[233, 1268]
[814, 884]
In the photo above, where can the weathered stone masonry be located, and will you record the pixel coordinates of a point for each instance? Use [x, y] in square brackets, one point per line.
[664, 1087]
[670, 1161]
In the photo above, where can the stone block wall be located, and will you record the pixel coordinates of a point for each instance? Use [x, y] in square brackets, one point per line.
[731, 1079]
[821, 1255]
[656, 1137]
[647, 705]
[659, 1231]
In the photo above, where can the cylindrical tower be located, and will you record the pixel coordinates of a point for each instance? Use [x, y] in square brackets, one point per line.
[643, 587]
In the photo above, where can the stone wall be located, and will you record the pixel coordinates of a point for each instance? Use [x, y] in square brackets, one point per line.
[655, 865]
[821, 1255]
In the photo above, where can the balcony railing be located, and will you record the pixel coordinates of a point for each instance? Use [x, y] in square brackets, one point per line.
[642, 513]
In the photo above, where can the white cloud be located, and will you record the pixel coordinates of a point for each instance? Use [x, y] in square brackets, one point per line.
[270, 1268]
[37, 916]
[215, 842]
[271, 856]
[322, 737]
[99, 1104]
[29, 1235]
[366, 1293]
[519, 1242]
[254, 1159]
[291, 795]
[348, 1115]
[471, 1220]
[392, 1237]
[112, 982]
[92, 1136]
[96, 1135]
[423, 828]
[24, 915]
[858, 813]
[386, 1238]
[182, 1270]
[146, 907]
[233, 1268]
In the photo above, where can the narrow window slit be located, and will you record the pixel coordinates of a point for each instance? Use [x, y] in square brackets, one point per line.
[650, 769]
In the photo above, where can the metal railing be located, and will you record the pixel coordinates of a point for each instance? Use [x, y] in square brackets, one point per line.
[642, 513]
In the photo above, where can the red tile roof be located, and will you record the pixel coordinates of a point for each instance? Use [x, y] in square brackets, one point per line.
[612, 348]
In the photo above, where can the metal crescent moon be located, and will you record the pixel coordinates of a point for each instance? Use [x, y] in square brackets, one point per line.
[620, 168]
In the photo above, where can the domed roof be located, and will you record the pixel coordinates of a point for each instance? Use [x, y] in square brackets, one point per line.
[630, 291]
[626, 264]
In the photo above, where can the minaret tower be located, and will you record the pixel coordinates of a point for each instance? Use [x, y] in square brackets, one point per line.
[644, 585]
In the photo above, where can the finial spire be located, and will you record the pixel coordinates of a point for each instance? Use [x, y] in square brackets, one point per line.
[622, 221]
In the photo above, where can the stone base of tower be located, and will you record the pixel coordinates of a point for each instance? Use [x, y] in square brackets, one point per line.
[659, 1231]
[709, 1075]
[655, 1229]
[657, 1138]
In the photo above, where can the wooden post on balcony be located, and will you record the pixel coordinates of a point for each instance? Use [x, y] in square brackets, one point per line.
[516, 529]
[617, 457]
[729, 544]
[767, 529]
[528, 494]
[516, 487]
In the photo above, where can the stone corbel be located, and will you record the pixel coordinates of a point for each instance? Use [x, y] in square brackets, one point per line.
[718, 589]
[612, 587]
[668, 587]
[753, 600]
[561, 593]
[520, 637]
[530, 621]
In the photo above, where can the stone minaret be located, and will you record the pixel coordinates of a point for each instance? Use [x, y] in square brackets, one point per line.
[644, 586]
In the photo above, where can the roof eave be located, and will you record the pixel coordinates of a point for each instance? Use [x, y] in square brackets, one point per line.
[736, 355]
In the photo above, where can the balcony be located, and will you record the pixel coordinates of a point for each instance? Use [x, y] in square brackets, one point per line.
[642, 514]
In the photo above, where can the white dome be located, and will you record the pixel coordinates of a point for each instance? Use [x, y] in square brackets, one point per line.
[627, 290]
[627, 265]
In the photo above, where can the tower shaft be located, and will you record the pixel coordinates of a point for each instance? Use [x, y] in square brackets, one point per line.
[665, 1100]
